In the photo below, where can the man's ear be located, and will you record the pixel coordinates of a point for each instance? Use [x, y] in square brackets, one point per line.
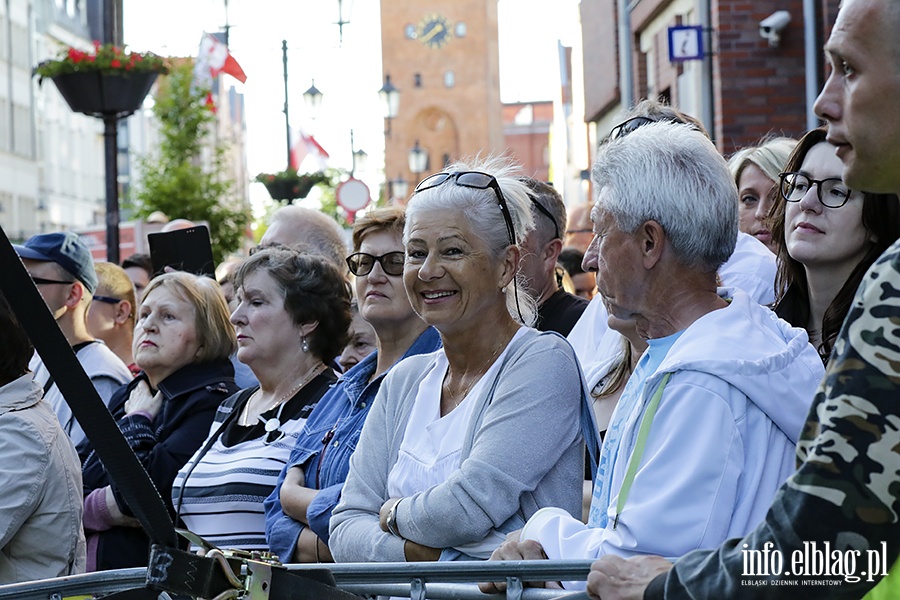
[651, 238]
[76, 294]
[551, 251]
[123, 312]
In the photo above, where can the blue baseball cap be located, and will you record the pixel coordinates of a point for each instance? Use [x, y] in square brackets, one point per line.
[65, 249]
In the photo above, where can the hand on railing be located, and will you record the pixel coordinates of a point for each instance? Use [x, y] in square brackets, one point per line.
[514, 549]
[615, 578]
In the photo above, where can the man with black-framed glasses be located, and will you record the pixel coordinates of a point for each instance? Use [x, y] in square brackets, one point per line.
[558, 310]
[62, 268]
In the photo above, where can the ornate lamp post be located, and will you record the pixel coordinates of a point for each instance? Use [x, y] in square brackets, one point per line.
[418, 159]
[390, 102]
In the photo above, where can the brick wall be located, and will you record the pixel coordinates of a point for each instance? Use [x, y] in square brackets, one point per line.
[760, 89]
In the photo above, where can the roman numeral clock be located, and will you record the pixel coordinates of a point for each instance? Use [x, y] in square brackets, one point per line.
[443, 57]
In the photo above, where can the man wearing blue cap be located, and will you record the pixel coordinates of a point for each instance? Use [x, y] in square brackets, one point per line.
[62, 268]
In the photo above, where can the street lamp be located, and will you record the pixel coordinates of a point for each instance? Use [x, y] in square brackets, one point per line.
[418, 159]
[399, 188]
[313, 98]
[390, 102]
[358, 157]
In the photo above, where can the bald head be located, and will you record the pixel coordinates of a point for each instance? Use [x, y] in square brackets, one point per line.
[297, 226]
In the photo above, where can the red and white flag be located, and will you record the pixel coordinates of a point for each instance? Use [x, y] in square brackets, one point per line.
[214, 58]
[304, 145]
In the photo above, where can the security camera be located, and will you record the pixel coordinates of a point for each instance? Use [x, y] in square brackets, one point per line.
[771, 27]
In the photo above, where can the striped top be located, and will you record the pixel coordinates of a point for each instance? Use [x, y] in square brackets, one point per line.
[222, 500]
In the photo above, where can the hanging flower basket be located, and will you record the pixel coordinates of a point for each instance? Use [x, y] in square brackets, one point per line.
[288, 185]
[109, 81]
[101, 93]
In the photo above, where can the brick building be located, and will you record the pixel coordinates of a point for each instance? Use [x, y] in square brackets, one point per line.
[752, 88]
[526, 134]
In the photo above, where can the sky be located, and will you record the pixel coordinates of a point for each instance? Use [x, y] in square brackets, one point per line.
[349, 74]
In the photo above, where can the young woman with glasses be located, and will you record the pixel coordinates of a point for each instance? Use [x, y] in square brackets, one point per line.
[291, 321]
[309, 487]
[828, 236]
[464, 444]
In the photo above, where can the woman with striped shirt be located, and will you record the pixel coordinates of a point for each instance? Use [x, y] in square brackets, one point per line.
[291, 321]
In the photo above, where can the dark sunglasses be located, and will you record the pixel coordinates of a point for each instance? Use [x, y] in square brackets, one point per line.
[361, 264]
[477, 181]
[626, 127]
[107, 299]
[42, 281]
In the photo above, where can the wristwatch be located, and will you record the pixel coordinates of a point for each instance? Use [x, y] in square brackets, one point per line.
[392, 520]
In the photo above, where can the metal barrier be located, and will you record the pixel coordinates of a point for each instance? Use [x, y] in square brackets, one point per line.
[438, 580]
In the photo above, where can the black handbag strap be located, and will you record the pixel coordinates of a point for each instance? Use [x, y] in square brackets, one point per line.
[124, 468]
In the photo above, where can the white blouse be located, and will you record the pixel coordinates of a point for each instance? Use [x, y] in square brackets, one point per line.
[432, 444]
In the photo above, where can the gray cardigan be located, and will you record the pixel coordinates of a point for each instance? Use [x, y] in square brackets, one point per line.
[522, 451]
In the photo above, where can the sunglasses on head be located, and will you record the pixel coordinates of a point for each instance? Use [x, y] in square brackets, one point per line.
[361, 263]
[475, 180]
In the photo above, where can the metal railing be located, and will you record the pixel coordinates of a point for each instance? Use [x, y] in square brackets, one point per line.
[419, 581]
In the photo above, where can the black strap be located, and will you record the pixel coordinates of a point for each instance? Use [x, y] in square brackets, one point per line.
[124, 468]
[77, 348]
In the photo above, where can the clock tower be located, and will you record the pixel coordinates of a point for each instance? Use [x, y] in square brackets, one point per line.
[443, 57]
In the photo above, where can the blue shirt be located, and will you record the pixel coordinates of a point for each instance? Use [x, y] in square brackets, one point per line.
[325, 446]
[630, 401]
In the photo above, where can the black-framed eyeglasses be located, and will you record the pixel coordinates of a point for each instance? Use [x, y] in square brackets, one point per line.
[629, 125]
[361, 263]
[42, 281]
[831, 191]
[546, 213]
[107, 299]
[475, 180]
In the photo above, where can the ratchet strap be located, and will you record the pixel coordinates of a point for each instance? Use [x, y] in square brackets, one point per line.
[219, 574]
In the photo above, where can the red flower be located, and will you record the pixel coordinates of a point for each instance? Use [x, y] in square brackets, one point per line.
[115, 63]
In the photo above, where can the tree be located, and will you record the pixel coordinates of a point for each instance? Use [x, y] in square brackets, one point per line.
[176, 180]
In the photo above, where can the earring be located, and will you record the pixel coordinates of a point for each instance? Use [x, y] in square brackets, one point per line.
[503, 290]
[304, 345]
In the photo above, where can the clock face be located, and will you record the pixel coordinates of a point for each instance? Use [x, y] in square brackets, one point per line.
[434, 31]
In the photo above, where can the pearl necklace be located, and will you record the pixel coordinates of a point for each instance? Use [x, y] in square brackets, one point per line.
[275, 422]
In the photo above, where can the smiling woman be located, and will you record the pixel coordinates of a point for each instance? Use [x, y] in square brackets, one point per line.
[458, 449]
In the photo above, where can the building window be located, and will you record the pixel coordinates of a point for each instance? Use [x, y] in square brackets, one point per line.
[417, 80]
[449, 79]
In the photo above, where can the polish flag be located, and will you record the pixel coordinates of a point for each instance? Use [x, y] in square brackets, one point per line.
[214, 58]
[303, 146]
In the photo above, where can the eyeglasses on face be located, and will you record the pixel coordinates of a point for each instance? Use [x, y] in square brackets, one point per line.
[42, 281]
[831, 191]
[107, 299]
[361, 264]
[475, 180]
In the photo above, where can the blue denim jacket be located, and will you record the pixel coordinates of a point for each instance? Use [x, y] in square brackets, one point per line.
[325, 445]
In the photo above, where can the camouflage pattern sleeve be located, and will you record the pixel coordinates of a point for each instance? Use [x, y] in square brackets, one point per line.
[834, 524]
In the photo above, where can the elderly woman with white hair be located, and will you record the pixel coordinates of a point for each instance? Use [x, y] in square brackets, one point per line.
[464, 444]
[705, 430]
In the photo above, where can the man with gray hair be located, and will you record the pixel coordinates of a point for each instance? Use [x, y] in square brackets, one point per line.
[558, 310]
[297, 226]
[705, 429]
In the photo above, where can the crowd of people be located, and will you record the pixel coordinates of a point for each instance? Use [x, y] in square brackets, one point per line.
[444, 390]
